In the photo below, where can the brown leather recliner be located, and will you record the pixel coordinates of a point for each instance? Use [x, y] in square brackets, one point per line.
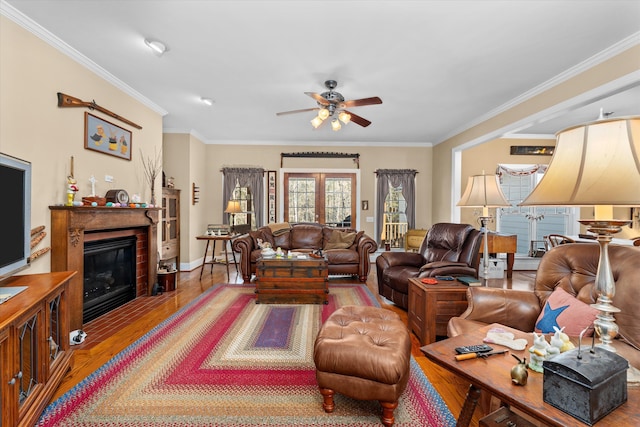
[572, 267]
[447, 250]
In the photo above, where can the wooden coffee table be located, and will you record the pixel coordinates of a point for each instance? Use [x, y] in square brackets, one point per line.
[292, 280]
[431, 307]
[493, 375]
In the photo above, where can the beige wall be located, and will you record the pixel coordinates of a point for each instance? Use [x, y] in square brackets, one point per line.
[617, 67]
[34, 128]
[203, 164]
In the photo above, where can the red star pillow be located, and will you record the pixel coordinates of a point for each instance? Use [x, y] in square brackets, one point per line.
[563, 310]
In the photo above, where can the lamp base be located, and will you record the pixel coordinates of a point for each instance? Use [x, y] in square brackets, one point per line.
[605, 324]
[485, 254]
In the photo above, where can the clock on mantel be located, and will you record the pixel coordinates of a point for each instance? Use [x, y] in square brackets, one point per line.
[117, 196]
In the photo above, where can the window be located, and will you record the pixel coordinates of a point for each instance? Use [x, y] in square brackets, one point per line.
[395, 224]
[395, 204]
[247, 185]
[326, 198]
[243, 195]
[529, 223]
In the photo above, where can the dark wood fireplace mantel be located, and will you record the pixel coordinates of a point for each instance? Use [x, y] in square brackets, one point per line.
[68, 227]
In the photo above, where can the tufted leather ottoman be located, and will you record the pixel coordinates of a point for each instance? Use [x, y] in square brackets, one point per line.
[363, 353]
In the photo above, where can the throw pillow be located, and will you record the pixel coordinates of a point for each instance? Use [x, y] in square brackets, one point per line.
[340, 240]
[356, 240]
[564, 310]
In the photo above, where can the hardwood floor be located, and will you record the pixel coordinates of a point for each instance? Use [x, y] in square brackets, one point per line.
[114, 331]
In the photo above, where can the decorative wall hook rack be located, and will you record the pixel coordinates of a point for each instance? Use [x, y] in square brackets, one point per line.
[195, 193]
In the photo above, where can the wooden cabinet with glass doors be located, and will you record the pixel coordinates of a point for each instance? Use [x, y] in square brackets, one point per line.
[170, 249]
[34, 345]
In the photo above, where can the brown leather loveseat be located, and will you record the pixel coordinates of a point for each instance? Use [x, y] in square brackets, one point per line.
[306, 237]
[572, 267]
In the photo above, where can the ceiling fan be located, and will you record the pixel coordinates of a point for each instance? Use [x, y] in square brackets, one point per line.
[331, 103]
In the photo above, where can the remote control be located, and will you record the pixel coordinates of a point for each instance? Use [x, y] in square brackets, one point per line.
[447, 278]
[478, 348]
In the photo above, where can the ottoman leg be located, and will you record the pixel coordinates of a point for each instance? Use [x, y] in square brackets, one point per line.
[387, 412]
[328, 404]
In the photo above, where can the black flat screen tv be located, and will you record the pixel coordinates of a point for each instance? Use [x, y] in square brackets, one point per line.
[15, 226]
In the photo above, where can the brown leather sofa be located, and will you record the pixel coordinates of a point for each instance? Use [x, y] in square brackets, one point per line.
[448, 250]
[307, 237]
[573, 267]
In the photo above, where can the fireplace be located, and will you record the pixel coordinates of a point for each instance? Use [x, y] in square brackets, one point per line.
[75, 229]
[109, 275]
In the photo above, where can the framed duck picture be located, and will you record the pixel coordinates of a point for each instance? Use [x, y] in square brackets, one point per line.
[106, 137]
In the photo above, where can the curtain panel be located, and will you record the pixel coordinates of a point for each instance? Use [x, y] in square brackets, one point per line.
[405, 178]
[253, 179]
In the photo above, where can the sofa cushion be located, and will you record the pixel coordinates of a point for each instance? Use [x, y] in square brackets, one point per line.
[340, 240]
[283, 241]
[342, 256]
[563, 310]
[262, 234]
[306, 236]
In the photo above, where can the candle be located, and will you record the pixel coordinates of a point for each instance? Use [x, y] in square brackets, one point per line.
[71, 174]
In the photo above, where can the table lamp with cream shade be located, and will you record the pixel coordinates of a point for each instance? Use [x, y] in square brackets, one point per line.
[596, 164]
[483, 191]
[233, 207]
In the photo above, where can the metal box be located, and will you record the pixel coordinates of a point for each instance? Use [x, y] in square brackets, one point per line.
[586, 385]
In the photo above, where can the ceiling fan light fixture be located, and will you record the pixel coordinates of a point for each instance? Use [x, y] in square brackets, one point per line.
[317, 121]
[344, 117]
[335, 125]
[323, 113]
[157, 47]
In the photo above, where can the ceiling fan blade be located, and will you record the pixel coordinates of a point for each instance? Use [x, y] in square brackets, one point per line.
[282, 113]
[360, 102]
[358, 120]
[317, 97]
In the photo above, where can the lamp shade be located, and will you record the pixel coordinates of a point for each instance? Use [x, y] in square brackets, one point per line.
[483, 191]
[233, 207]
[597, 163]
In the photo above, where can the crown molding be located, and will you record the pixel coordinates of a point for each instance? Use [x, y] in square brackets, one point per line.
[36, 29]
[572, 72]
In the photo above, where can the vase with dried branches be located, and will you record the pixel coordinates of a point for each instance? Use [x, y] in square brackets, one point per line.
[152, 167]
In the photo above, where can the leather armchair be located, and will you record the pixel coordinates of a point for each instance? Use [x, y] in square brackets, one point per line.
[447, 250]
[572, 267]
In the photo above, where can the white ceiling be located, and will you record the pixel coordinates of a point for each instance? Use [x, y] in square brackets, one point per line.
[439, 66]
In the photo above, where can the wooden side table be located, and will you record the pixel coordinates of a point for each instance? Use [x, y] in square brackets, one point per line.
[224, 239]
[492, 376]
[502, 244]
[431, 307]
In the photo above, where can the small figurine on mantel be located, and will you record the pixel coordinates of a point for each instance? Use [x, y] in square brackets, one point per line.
[93, 181]
[72, 189]
[72, 186]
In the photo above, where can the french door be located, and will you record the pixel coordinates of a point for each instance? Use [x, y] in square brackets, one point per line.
[326, 198]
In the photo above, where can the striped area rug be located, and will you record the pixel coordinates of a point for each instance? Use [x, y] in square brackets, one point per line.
[225, 361]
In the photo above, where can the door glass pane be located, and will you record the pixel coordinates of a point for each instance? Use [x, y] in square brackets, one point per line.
[28, 357]
[55, 328]
[337, 209]
[302, 199]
